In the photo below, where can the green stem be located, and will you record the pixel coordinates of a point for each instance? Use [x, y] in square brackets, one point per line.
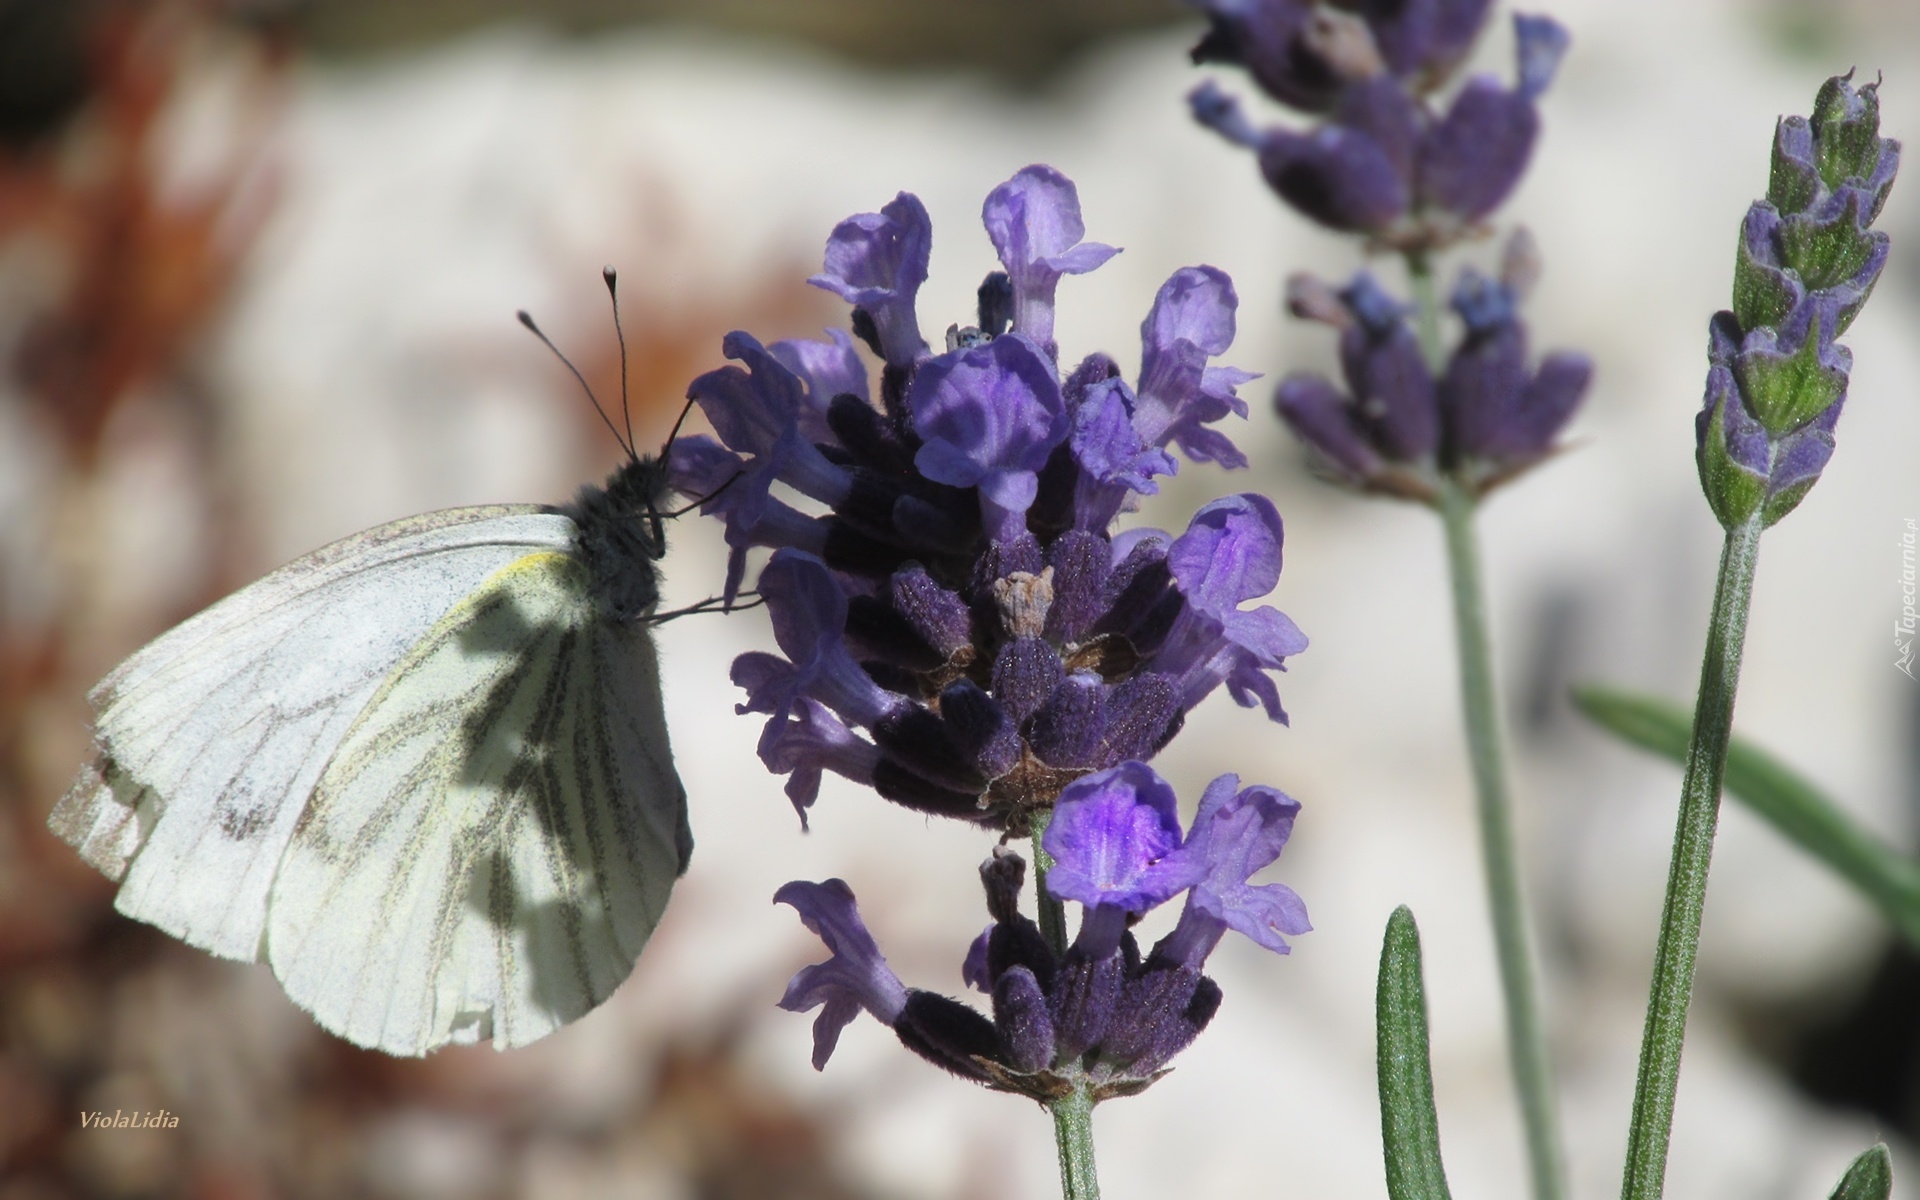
[1073, 1112]
[1426, 312]
[1687, 878]
[1053, 913]
[1526, 1039]
[1073, 1134]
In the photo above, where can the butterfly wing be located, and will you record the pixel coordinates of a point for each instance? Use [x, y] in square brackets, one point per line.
[497, 833]
[210, 739]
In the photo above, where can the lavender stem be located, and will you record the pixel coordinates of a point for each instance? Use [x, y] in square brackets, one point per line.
[1526, 1038]
[1672, 991]
[1072, 1113]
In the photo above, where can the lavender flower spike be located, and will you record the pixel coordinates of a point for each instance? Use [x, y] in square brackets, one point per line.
[855, 978]
[961, 629]
[1034, 221]
[1805, 264]
[1398, 430]
[1382, 163]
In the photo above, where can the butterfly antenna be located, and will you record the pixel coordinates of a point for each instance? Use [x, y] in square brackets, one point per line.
[526, 318]
[674, 434]
[697, 501]
[612, 278]
[710, 604]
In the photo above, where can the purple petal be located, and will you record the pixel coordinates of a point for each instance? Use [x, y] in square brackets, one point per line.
[815, 741]
[809, 612]
[1268, 38]
[1473, 158]
[1034, 221]
[1480, 393]
[1540, 43]
[1116, 464]
[1320, 416]
[877, 262]
[1113, 838]
[1222, 113]
[1236, 833]
[1388, 375]
[831, 368]
[855, 978]
[1239, 833]
[700, 467]
[974, 971]
[1020, 1014]
[1337, 177]
[1192, 319]
[1229, 554]
[988, 418]
[757, 413]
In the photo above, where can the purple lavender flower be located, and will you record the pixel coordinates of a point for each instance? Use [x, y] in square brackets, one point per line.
[1034, 221]
[1102, 1015]
[1806, 263]
[877, 262]
[1397, 429]
[1384, 162]
[855, 978]
[960, 630]
[989, 418]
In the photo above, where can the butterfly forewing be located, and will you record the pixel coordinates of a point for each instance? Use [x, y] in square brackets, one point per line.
[211, 738]
[497, 833]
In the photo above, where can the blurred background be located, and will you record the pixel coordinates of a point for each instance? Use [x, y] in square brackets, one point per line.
[258, 269]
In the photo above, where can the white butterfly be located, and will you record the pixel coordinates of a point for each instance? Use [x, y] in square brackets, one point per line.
[422, 773]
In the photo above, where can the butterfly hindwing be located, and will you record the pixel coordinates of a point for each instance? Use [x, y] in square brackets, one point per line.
[496, 835]
[211, 738]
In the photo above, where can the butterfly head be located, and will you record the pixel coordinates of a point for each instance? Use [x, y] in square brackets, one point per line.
[622, 536]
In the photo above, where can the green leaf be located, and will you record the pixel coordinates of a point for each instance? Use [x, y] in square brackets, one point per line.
[1778, 794]
[1869, 1178]
[1409, 1127]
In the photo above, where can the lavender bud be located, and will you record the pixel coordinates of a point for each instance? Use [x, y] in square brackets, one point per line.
[1805, 264]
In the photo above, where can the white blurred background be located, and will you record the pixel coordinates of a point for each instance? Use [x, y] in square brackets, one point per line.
[258, 272]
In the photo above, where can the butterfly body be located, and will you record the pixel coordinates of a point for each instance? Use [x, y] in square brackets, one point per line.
[423, 773]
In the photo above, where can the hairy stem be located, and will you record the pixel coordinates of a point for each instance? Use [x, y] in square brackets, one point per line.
[1072, 1113]
[1672, 990]
[1526, 1038]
